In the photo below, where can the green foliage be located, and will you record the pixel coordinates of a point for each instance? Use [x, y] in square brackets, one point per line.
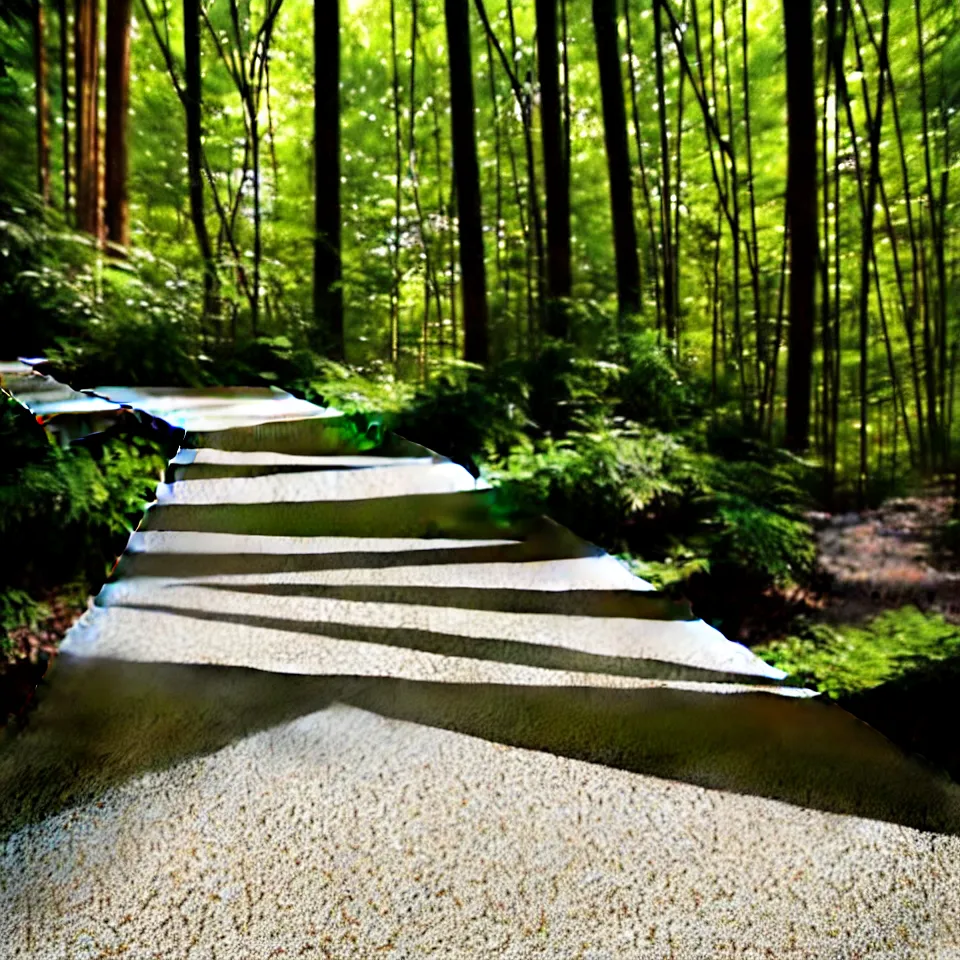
[845, 659]
[468, 414]
[651, 388]
[17, 609]
[603, 479]
[64, 514]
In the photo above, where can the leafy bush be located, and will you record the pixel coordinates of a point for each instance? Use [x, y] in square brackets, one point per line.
[604, 479]
[651, 389]
[468, 414]
[64, 514]
[842, 660]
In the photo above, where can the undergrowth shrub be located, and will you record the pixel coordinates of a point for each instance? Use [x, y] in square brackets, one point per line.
[844, 660]
[606, 479]
[65, 515]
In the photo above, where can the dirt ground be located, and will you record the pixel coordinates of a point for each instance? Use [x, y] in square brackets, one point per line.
[888, 557]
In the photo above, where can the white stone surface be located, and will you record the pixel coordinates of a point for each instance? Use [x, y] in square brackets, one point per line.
[323, 485]
[363, 753]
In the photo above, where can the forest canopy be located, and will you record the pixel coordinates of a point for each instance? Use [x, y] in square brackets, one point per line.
[766, 188]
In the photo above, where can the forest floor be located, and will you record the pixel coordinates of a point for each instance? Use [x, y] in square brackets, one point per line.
[886, 558]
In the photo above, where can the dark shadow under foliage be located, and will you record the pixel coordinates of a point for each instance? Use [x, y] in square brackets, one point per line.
[919, 711]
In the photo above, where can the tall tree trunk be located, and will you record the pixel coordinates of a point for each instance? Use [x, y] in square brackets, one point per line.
[87, 64]
[555, 170]
[654, 253]
[734, 215]
[666, 219]
[825, 314]
[521, 93]
[867, 251]
[802, 214]
[752, 244]
[675, 197]
[116, 212]
[466, 174]
[327, 261]
[398, 176]
[192, 99]
[42, 104]
[64, 102]
[618, 157]
[931, 342]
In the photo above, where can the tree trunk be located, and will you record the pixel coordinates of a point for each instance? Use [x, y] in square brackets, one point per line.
[654, 253]
[116, 213]
[802, 214]
[192, 100]
[327, 262]
[618, 157]
[398, 174]
[867, 251]
[64, 103]
[87, 63]
[555, 169]
[666, 218]
[42, 104]
[467, 181]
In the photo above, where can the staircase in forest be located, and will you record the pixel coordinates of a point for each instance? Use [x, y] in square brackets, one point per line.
[337, 698]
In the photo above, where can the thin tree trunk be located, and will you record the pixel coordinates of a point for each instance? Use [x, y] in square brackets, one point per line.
[86, 64]
[42, 103]
[65, 102]
[467, 177]
[398, 173]
[867, 250]
[618, 157]
[753, 244]
[802, 214]
[503, 276]
[676, 199]
[644, 180]
[116, 211]
[734, 219]
[827, 367]
[192, 105]
[666, 227]
[716, 305]
[327, 259]
[522, 96]
[935, 341]
[429, 270]
[565, 60]
[557, 187]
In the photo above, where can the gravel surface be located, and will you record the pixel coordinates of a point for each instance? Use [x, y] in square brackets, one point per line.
[414, 734]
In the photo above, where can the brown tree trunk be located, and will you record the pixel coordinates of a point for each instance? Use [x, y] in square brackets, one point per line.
[555, 170]
[87, 65]
[654, 254]
[398, 196]
[666, 217]
[802, 214]
[42, 104]
[466, 173]
[64, 102]
[618, 157]
[192, 99]
[867, 251]
[116, 211]
[327, 262]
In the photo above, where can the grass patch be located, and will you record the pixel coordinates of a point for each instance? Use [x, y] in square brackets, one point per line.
[844, 660]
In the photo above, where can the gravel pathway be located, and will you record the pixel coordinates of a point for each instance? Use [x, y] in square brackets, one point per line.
[335, 702]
